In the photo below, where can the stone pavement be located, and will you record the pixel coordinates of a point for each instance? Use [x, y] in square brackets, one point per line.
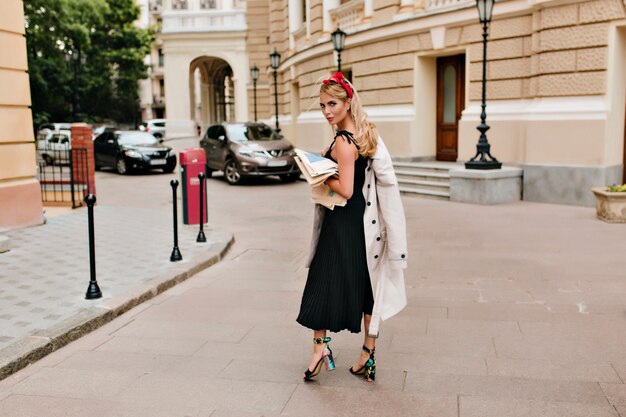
[514, 310]
[43, 279]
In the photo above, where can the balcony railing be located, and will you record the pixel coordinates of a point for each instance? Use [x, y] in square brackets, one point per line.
[204, 21]
[436, 5]
[349, 15]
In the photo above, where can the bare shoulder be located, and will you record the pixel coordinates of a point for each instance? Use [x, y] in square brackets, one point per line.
[344, 148]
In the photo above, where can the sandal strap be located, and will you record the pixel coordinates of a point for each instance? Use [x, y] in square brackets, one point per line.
[365, 348]
[320, 340]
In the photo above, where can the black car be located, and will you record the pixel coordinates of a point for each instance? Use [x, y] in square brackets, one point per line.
[128, 151]
[248, 150]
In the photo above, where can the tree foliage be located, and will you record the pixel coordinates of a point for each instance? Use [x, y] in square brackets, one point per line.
[85, 51]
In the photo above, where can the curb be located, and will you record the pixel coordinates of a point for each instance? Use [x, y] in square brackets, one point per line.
[32, 348]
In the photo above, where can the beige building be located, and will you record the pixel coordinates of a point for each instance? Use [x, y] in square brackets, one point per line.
[152, 90]
[20, 194]
[205, 63]
[556, 85]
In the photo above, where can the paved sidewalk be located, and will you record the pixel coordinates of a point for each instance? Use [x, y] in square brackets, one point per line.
[514, 310]
[43, 279]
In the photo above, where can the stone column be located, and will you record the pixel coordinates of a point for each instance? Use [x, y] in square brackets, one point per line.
[20, 192]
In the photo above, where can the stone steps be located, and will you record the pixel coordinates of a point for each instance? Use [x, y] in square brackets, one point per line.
[424, 179]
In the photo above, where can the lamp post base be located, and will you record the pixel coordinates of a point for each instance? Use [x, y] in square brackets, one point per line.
[483, 165]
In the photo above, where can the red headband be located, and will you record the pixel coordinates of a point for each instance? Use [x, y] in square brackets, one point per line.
[340, 79]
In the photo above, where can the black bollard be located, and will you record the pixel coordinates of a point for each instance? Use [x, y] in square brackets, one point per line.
[201, 237]
[93, 291]
[175, 256]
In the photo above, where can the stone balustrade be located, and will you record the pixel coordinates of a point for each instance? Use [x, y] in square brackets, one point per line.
[435, 5]
[203, 21]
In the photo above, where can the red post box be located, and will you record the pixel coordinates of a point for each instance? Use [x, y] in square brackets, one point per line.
[192, 162]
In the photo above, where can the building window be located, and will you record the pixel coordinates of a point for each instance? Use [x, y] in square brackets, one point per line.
[208, 4]
[348, 74]
[161, 57]
[162, 87]
[304, 11]
[179, 4]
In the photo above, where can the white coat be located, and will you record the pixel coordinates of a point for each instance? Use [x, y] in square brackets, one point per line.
[385, 237]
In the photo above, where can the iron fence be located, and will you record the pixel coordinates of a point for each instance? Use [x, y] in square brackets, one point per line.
[63, 175]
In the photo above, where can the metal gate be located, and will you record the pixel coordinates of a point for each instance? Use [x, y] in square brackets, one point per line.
[63, 175]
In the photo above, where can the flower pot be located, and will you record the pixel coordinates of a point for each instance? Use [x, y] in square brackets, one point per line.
[610, 207]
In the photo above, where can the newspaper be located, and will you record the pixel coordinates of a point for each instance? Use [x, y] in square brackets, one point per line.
[317, 169]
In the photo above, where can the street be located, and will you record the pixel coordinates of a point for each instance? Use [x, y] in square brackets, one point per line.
[513, 310]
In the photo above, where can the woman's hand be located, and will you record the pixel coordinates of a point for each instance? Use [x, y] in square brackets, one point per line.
[325, 150]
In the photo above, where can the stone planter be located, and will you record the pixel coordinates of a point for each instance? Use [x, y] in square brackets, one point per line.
[610, 207]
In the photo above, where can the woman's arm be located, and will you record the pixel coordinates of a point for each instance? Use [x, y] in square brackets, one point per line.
[345, 154]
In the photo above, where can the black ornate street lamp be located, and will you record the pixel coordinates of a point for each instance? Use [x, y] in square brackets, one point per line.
[75, 59]
[254, 73]
[339, 40]
[483, 149]
[275, 62]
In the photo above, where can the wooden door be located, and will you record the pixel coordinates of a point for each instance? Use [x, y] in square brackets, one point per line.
[450, 104]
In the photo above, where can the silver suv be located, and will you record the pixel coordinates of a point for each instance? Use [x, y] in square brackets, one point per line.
[248, 150]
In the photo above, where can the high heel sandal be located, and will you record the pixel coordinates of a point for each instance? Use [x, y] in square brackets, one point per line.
[327, 359]
[368, 371]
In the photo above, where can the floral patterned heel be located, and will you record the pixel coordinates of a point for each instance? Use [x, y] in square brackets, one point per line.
[368, 371]
[327, 359]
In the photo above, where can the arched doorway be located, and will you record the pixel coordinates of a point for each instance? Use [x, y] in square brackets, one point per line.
[211, 91]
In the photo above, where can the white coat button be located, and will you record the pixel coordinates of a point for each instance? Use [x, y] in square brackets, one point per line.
[373, 221]
[375, 256]
[368, 203]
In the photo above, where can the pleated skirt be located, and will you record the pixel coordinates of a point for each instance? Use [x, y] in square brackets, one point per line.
[338, 289]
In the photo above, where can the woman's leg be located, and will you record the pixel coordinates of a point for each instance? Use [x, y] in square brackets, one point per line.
[368, 342]
[318, 350]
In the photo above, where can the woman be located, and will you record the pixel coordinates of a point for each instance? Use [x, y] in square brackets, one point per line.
[357, 247]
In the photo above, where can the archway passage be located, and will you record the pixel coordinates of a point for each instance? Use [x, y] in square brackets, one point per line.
[211, 91]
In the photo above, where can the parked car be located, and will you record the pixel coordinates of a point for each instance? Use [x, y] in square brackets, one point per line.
[154, 126]
[99, 129]
[132, 150]
[53, 145]
[248, 150]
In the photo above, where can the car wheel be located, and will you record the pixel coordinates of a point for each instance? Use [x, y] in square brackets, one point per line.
[169, 169]
[48, 159]
[120, 166]
[231, 173]
[289, 177]
[208, 172]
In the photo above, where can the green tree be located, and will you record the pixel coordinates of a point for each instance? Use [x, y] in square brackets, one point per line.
[89, 50]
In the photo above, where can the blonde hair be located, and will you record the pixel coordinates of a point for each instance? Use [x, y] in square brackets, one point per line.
[366, 135]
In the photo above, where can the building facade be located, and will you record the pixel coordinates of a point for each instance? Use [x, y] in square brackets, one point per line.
[205, 63]
[556, 83]
[152, 90]
[20, 193]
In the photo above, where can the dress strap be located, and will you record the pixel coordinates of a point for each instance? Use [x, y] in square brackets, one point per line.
[345, 134]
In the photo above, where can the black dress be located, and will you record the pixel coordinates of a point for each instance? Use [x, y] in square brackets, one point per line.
[338, 289]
